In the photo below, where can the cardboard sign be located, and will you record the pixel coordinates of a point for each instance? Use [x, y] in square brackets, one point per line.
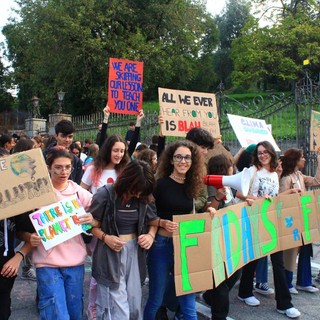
[208, 251]
[315, 131]
[250, 130]
[58, 222]
[184, 110]
[125, 91]
[25, 183]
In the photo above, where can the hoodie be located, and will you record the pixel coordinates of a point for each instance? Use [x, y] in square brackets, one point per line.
[72, 252]
[8, 228]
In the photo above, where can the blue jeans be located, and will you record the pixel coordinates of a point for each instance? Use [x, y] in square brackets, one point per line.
[161, 267]
[289, 277]
[262, 270]
[60, 292]
[304, 275]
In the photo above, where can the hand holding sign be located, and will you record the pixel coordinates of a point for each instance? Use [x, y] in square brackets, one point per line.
[59, 222]
[106, 114]
[140, 118]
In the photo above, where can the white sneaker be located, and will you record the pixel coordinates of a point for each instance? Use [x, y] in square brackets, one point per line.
[250, 301]
[293, 290]
[290, 313]
[308, 289]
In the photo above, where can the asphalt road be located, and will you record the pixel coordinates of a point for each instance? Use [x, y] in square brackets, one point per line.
[24, 306]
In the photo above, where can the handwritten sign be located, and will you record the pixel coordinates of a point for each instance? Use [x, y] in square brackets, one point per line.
[239, 234]
[315, 131]
[250, 130]
[58, 222]
[125, 92]
[184, 110]
[25, 183]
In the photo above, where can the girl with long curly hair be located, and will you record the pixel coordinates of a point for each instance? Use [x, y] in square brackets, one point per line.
[179, 184]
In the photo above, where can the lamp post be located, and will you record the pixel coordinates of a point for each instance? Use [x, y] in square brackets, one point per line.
[61, 95]
[35, 110]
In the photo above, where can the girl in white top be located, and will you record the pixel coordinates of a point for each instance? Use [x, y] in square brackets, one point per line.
[265, 183]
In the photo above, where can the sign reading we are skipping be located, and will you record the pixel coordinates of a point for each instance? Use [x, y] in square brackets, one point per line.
[58, 222]
[125, 91]
[185, 110]
[209, 251]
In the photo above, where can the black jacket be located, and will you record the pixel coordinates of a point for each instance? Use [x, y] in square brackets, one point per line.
[106, 262]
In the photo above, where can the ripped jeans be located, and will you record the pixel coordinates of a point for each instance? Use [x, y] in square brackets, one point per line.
[60, 292]
[123, 302]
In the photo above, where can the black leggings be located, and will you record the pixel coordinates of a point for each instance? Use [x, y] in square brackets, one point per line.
[6, 285]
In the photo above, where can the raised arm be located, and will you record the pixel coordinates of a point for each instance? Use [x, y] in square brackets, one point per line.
[103, 134]
[136, 133]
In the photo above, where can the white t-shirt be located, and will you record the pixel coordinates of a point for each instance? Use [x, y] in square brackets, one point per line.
[108, 176]
[263, 182]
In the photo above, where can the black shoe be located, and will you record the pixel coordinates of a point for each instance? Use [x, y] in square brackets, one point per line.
[206, 297]
[162, 314]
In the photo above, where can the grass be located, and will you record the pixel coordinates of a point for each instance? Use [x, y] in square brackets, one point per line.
[282, 117]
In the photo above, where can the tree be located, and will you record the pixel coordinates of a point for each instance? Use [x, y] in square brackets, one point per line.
[66, 45]
[6, 99]
[230, 22]
[275, 53]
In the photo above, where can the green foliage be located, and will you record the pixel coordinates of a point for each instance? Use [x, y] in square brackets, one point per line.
[66, 45]
[230, 23]
[6, 99]
[277, 51]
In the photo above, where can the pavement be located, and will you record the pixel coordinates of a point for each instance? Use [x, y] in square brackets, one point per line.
[24, 296]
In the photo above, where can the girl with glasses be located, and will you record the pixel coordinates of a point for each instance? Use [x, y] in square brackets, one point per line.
[60, 270]
[265, 183]
[179, 184]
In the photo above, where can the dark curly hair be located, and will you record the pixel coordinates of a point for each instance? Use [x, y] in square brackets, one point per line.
[290, 160]
[272, 153]
[193, 182]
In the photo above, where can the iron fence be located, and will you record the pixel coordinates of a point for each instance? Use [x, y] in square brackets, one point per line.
[287, 114]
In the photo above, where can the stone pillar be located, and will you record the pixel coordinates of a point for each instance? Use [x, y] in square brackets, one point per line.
[35, 125]
[55, 118]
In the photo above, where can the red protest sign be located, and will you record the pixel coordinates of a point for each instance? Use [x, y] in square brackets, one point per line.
[125, 92]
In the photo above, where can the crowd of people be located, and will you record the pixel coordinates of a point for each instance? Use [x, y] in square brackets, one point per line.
[131, 191]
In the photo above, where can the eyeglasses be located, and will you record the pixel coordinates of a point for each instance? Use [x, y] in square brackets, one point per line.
[60, 169]
[263, 153]
[180, 157]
